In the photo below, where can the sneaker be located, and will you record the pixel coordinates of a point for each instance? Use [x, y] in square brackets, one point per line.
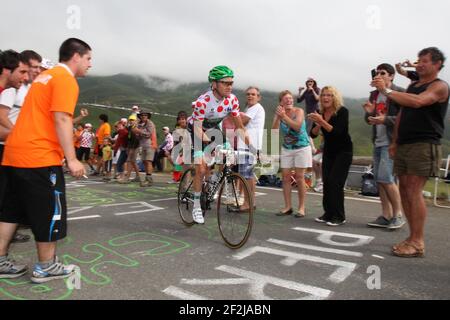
[57, 270]
[321, 219]
[197, 215]
[149, 179]
[144, 183]
[380, 222]
[10, 270]
[136, 179]
[335, 223]
[396, 223]
[172, 182]
[123, 181]
[319, 187]
[20, 238]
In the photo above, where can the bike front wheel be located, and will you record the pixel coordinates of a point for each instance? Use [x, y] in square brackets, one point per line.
[235, 224]
[186, 197]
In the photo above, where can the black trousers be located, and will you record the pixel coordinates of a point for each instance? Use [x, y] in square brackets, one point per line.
[335, 171]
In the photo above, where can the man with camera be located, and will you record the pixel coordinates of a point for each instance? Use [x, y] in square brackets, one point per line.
[416, 146]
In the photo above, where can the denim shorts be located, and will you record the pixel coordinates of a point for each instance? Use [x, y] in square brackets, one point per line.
[245, 167]
[383, 165]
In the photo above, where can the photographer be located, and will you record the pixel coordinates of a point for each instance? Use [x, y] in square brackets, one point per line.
[311, 96]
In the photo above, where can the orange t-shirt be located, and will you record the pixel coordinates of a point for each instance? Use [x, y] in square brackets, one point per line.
[33, 142]
[103, 132]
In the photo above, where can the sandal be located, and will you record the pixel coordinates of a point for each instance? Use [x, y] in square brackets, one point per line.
[284, 213]
[299, 214]
[408, 250]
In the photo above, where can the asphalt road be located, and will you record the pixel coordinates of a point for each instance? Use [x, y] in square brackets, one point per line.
[129, 243]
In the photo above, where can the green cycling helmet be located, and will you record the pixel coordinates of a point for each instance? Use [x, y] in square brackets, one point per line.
[220, 72]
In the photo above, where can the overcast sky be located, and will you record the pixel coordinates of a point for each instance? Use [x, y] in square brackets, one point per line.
[272, 44]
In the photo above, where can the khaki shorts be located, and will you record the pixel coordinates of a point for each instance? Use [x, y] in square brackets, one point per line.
[131, 155]
[147, 154]
[418, 159]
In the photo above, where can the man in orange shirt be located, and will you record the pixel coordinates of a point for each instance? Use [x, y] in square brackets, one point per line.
[33, 157]
[104, 131]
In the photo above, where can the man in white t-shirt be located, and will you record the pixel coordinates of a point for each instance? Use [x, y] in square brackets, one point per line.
[253, 119]
[11, 100]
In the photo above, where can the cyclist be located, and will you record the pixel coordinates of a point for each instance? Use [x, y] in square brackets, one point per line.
[209, 111]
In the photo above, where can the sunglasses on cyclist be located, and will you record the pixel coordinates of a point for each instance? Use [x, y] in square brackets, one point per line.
[226, 83]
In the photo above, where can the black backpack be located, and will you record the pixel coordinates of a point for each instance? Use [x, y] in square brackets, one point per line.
[369, 185]
[269, 181]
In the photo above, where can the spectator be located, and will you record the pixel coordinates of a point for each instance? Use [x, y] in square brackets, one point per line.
[104, 131]
[146, 132]
[253, 119]
[120, 147]
[296, 150]
[381, 113]
[332, 121]
[36, 146]
[311, 98]
[86, 140]
[76, 136]
[416, 145]
[17, 81]
[317, 166]
[164, 149]
[132, 149]
[107, 154]
[182, 147]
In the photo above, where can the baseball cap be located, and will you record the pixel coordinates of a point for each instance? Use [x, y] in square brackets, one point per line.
[166, 129]
[88, 125]
[132, 117]
[47, 63]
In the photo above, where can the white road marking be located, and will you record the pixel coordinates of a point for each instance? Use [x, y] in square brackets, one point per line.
[325, 237]
[377, 256]
[316, 248]
[258, 281]
[182, 294]
[344, 269]
[85, 217]
[73, 210]
[167, 199]
[141, 204]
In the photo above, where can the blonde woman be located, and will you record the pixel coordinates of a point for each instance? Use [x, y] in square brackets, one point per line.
[332, 121]
[295, 152]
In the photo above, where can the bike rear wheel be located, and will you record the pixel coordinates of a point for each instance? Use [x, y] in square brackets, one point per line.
[235, 225]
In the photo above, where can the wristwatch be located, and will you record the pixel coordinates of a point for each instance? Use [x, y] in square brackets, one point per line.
[388, 91]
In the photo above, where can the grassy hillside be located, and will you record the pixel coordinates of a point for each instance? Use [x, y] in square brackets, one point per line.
[127, 90]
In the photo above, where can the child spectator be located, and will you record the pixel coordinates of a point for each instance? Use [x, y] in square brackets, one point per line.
[107, 158]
